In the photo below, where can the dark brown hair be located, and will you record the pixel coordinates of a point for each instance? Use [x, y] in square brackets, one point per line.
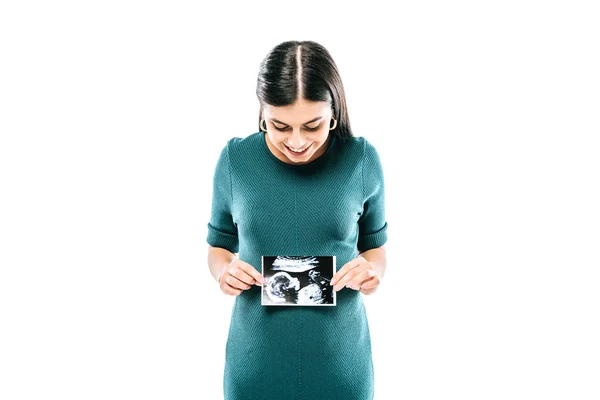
[312, 65]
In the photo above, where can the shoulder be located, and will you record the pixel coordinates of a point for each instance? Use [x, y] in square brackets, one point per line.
[351, 147]
[244, 153]
[370, 155]
[372, 165]
[361, 150]
[239, 145]
[369, 149]
[360, 145]
[246, 141]
[234, 147]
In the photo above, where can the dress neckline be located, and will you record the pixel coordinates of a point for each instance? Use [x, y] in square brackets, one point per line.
[312, 164]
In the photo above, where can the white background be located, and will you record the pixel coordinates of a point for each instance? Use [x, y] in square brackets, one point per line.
[485, 115]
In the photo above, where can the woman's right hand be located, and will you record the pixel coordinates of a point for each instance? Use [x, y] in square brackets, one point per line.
[237, 276]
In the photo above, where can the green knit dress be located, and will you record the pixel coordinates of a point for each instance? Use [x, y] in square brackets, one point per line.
[333, 205]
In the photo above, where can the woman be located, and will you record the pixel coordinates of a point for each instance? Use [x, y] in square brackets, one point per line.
[301, 185]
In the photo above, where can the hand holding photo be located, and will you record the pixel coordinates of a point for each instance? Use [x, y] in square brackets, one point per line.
[298, 280]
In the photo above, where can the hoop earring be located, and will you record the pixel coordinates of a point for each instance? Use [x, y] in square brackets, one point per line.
[334, 125]
[261, 125]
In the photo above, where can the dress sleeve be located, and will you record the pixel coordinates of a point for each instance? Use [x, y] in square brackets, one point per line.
[222, 231]
[372, 225]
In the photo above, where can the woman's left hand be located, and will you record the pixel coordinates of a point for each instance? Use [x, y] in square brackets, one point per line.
[358, 274]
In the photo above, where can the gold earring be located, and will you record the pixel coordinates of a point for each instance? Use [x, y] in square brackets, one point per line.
[334, 125]
[261, 125]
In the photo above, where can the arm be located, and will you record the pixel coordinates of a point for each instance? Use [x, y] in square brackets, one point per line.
[222, 237]
[372, 225]
[232, 274]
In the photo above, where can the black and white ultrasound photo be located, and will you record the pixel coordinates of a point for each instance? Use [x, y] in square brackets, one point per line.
[298, 281]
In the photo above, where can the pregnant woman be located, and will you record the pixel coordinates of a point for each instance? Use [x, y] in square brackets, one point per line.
[302, 185]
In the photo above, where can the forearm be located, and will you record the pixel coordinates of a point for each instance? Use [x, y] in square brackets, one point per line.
[378, 257]
[218, 259]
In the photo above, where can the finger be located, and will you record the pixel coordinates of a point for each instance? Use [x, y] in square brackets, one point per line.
[360, 278]
[345, 268]
[236, 283]
[239, 272]
[229, 290]
[345, 279]
[369, 283]
[250, 270]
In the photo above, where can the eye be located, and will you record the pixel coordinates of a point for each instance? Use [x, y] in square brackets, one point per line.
[287, 128]
[280, 129]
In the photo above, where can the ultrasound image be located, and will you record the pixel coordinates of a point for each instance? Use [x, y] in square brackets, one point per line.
[298, 280]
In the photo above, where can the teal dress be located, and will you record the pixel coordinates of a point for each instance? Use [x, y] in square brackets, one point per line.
[333, 205]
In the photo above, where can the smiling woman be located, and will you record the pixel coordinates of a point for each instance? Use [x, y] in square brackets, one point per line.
[296, 142]
[302, 101]
[303, 185]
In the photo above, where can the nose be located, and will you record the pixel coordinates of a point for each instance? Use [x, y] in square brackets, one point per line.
[296, 140]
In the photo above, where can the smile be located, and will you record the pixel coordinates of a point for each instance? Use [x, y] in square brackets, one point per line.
[296, 153]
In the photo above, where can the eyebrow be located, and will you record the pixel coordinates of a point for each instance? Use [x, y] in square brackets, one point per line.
[307, 122]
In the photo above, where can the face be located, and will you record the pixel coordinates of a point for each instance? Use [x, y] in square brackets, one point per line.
[303, 125]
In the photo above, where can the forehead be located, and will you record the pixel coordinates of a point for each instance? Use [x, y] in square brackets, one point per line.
[298, 113]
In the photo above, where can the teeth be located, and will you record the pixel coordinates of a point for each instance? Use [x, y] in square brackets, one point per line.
[298, 151]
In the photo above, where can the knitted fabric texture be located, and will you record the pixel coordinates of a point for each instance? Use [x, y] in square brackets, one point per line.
[333, 205]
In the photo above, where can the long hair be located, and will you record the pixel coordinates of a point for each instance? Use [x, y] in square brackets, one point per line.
[309, 63]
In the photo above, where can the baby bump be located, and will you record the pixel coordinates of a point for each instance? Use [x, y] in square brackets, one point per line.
[297, 349]
[319, 331]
